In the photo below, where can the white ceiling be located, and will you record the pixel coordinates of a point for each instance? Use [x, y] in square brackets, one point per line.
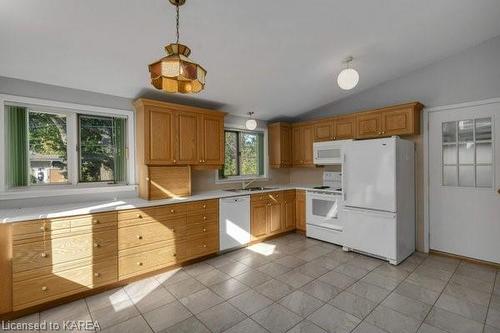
[275, 57]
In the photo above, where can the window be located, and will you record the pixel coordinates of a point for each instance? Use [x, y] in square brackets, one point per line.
[467, 154]
[47, 147]
[244, 154]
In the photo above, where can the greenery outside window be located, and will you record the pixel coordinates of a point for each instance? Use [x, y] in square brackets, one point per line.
[42, 144]
[244, 155]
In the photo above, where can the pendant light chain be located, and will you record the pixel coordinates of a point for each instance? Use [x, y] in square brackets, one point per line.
[177, 21]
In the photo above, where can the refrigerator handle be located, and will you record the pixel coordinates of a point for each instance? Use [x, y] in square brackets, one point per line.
[344, 169]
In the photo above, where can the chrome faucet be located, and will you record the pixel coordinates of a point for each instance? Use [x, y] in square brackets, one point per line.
[245, 185]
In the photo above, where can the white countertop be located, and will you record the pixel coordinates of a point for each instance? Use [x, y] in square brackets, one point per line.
[81, 208]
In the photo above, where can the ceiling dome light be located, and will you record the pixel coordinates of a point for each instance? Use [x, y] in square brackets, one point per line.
[349, 77]
[251, 123]
[176, 73]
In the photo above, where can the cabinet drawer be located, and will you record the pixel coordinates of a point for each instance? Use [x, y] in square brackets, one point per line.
[198, 207]
[150, 215]
[53, 286]
[269, 197]
[203, 217]
[202, 246]
[146, 261]
[150, 233]
[207, 229]
[55, 251]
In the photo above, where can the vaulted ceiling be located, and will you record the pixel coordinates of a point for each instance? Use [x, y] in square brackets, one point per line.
[277, 58]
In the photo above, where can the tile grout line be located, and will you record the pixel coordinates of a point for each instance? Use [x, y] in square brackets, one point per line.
[440, 294]
[379, 303]
[491, 299]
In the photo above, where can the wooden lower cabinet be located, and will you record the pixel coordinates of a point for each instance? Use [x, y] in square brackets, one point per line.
[47, 260]
[272, 213]
[288, 210]
[300, 206]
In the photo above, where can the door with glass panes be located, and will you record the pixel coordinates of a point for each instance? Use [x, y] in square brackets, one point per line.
[464, 174]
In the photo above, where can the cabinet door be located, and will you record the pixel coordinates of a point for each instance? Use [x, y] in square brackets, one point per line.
[297, 147]
[369, 125]
[308, 145]
[300, 211]
[188, 138]
[274, 218]
[213, 140]
[274, 138]
[159, 136]
[286, 149]
[344, 128]
[323, 130]
[258, 227]
[398, 122]
[288, 212]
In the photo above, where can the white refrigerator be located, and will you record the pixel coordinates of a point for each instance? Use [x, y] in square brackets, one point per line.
[379, 198]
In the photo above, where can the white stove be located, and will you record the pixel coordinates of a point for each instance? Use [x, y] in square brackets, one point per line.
[323, 209]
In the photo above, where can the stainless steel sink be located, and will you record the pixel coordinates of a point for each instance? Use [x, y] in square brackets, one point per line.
[250, 189]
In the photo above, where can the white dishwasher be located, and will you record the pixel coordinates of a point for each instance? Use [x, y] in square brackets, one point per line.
[234, 222]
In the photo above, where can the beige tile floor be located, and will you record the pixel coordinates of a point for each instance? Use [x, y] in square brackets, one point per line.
[295, 284]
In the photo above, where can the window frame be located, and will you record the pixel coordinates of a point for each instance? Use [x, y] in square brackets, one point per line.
[239, 179]
[71, 111]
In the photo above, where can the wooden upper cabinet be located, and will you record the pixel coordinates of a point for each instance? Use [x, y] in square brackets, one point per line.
[212, 140]
[308, 145]
[344, 128]
[369, 125]
[302, 144]
[172, 134]
[158, 136]
[280, 154]
[401, 119]
[324, 130]
[188, 138]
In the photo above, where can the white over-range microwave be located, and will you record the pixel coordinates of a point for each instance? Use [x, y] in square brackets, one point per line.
[329, 152]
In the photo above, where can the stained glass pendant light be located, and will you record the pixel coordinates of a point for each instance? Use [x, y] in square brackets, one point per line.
[176, 73]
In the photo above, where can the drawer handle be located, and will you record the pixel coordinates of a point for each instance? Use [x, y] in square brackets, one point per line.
[139, 237]
[43, 228]
[204, 206]
[44, 288]
[139, 264]
[139, 216]
[97, 245]
[204, 218]
[44, 255]
[172, 211]
[97, 274]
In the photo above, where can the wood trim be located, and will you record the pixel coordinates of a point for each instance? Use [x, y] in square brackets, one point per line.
[142, 102]
[5, 268]
[467, 259]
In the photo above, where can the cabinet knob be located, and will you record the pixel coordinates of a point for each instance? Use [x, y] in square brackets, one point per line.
[44, 255]
[498, 191]
[204, 218]
[97, 274]
[43, 228]
[204, 245]
[383, 132]
[172, 211]
[204, 206]
[334, 138]
[201, 161]
[379, 133]
[139, 237]
[204, 230]
[173, 230]
[96, 221]
[139, 216]
[175, 161]
[139, 264]
[174, 255]
[97, 245]
[44, 288]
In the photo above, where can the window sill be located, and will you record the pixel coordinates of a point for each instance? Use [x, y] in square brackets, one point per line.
[55, 190]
